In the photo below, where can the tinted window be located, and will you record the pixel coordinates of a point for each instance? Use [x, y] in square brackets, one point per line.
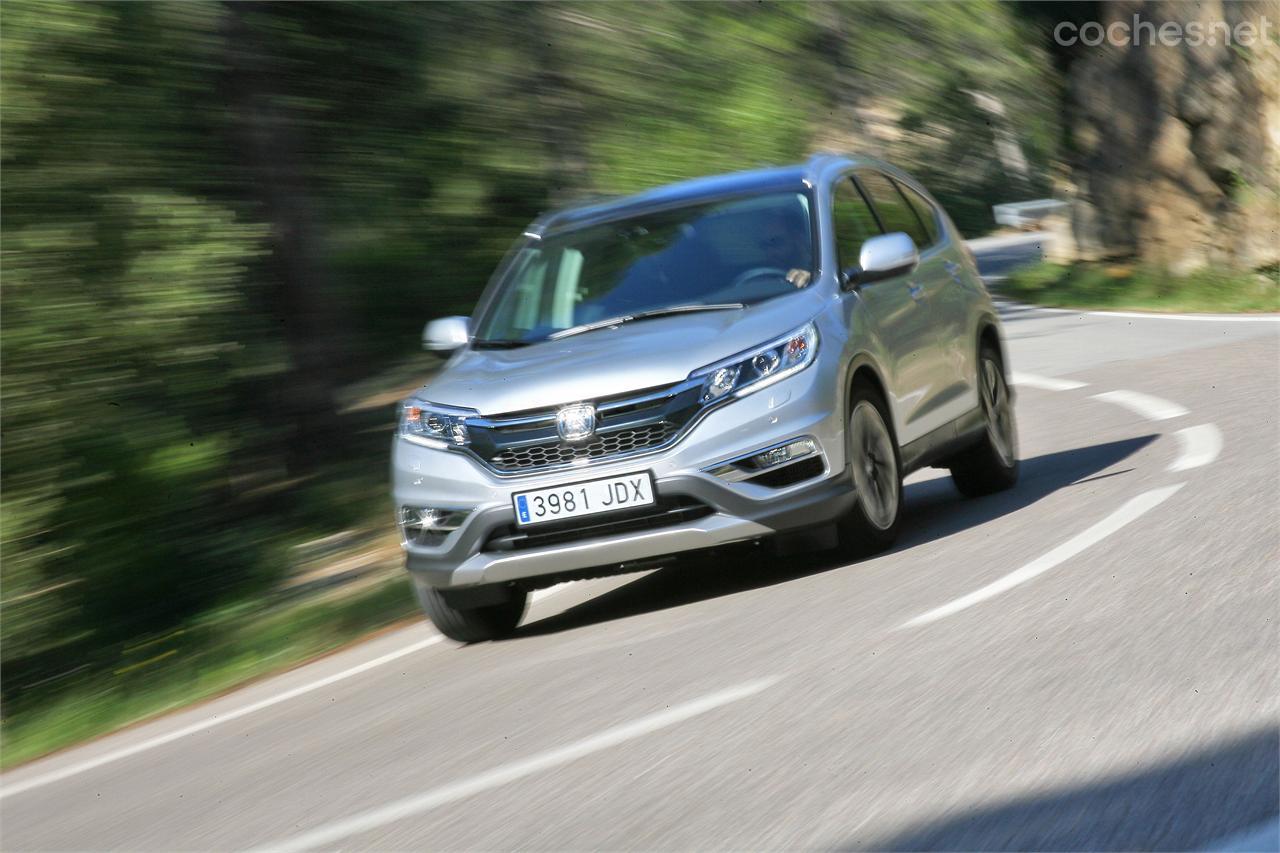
[894, 211]
[924, 210]
[738, 250]
[855, 222]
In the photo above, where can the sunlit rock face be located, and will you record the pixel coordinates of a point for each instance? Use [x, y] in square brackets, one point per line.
[1177, 146]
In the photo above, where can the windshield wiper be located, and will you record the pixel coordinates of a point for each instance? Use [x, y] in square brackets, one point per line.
[499, 344]
[643, 315]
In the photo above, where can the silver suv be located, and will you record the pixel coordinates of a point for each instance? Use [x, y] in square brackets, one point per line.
[711, 362]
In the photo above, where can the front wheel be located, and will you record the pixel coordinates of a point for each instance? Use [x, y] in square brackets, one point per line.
[991, 465]
[872, 524]
[473, 624]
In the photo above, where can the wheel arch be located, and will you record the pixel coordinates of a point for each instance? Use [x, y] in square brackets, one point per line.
[989, 333]
[863, 370]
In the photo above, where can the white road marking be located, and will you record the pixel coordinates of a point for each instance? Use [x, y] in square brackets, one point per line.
[205, 725]
[1146, 315]
[1151, 408]
[9, 790]
[1045, 383]
[325, 836]
[1201, 318]
[1200, 446]
[1130, 511]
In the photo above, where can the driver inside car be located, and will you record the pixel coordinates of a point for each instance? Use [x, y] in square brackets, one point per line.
[783, 240]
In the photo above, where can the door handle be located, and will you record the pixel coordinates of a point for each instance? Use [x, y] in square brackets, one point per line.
[916, 291]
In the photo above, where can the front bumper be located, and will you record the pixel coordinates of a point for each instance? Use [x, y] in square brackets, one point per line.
[460, 561]
[735, 512]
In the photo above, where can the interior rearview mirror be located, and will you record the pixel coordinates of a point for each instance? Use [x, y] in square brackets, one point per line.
[883, 257]
[446, 334]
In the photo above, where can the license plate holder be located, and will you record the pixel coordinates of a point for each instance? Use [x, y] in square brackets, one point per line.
[600, 496]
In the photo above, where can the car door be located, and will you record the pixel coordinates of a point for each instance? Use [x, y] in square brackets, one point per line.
[951, 302]
[893, 310]
[920, 352]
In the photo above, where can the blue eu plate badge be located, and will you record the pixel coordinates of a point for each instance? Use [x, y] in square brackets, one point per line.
[522, 506]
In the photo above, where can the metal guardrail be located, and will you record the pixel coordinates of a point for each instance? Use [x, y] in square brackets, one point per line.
[1028, 214]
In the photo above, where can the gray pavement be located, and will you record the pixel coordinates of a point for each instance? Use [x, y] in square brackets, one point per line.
[1124, 696]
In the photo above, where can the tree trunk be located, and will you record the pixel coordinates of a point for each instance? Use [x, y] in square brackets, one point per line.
[300, 299]
[563, 123]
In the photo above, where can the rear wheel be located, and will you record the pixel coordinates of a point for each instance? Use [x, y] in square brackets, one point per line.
[872, 524]
[991, 465]
[473, 624]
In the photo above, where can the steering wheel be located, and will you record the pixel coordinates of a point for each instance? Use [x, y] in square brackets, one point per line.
[758, 272]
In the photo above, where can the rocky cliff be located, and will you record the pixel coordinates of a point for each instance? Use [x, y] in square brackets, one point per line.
[1176, 146]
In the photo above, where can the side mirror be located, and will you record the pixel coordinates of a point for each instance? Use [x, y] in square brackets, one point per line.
[446, 334]
[883, 257]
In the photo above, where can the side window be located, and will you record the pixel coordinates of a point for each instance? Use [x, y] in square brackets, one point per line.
[928, 215]
[522, 309]
[854, 222]
[545, 290]
[894, 211]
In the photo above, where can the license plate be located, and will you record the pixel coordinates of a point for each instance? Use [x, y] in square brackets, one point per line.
[590, 498]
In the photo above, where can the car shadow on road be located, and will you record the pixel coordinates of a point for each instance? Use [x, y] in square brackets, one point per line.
[933, 510]
[1186, 804]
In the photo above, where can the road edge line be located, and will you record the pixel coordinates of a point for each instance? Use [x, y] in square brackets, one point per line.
[325, 835]
[11, 790]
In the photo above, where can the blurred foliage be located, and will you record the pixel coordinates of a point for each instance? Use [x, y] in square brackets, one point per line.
[215, 216]
[1124, 286]
[963, 79]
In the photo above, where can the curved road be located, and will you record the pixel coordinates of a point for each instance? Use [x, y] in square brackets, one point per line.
[1091, 660]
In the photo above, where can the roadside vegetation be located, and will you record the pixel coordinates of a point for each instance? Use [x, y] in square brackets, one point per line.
[1125, 287]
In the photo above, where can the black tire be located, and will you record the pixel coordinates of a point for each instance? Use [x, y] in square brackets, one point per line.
[990, 465]
[872, 524]
[473, 624]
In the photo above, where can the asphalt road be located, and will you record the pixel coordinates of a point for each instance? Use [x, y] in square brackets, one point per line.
[1090, 660]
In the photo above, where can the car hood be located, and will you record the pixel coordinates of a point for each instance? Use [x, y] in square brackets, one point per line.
[611, 361]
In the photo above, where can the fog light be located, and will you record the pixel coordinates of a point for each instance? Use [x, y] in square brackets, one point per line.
[425, 525]
[775, 456]
[745, 467]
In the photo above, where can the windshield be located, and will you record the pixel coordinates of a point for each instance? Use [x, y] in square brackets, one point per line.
[742, 250]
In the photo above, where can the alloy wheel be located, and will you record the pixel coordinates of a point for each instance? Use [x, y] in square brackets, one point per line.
[998, 409]
[875, 465]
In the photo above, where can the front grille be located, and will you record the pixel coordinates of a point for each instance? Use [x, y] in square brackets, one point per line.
[527, 442]
[602, 446]
[666, 512]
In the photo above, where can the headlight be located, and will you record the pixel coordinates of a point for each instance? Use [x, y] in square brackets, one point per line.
[760, 367]
[433, 426]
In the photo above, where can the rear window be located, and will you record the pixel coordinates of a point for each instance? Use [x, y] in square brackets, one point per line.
[927, 212]
[895, 212]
